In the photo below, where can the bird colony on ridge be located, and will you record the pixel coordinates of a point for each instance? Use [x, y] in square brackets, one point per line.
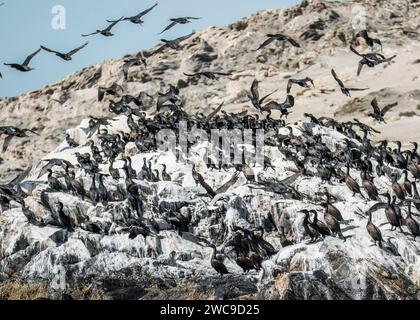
[103, 173]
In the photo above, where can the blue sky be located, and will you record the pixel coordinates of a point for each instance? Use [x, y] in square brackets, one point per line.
[26, 24]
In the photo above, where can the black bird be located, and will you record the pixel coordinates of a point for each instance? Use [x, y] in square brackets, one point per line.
[369, 41]
[12, 132]
[412, 224]
[319, 226]
[217, 264]
[308, 227]
[392, 213]
[282, 107]
[175, 21]
[304, 83]
[54, 183]
[334, 225]
[105, 32]
[344, 89]
[64, 218]
[369, 187]
[378, 114]
[374, 231]
[113, 90]
[207, 74]
[254, 97]
[279, 37]
[131, 63]
[172, 44]
[24, 67]
[66, 56]
[165, 175]
[351, 183]
[370, 59]
[407, 184]
[137, 19]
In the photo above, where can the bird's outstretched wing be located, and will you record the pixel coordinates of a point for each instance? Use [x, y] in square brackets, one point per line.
[143, 13]
[254, 89]
[30, 57]
[375, 106]
[171, 25]
[359, 68]
[228, 184]
[267, 96]
[112, 25]
[216, 111]
[266, 43]
[90, 34]
[158, 50]
[290, 84]
[49, 50]
[352, 49]
[191, 74]
[293, 42]
[336, 78]
[72, 52]
[183, 38]
[388, 107]
[19, 178]
[7, 142]
[357, 89]
[204, 184]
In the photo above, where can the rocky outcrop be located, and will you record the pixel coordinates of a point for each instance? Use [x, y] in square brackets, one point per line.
[163, 262]
[325, 31]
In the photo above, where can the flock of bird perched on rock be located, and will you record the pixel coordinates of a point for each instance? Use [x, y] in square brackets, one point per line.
[311, 156]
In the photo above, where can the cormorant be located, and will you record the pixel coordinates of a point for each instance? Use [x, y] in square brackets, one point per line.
[65, 56]
[344, 89]
[105, 32]
[378, 114]
[12, 132]
[412, 224]
[24, 67]
[175, 21]
[217, 264]
[137, 19]
[374, 231]
[278, 37]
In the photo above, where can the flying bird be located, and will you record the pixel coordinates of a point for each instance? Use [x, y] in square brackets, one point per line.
[371, 59]
[175, 21]
[105, 32]
[65, 56]
[304, 83]
[207, 74]
[112, 90]
[379, 114]
[137, 19]
[172, 44]
[278, 37]
[12, 132]
[254, 97]
[24, 67]
[282, 107]
[131, 63]
[344, 89]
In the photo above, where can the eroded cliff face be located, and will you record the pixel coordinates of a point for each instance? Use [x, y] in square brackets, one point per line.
[325, 32]
[102, 248]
